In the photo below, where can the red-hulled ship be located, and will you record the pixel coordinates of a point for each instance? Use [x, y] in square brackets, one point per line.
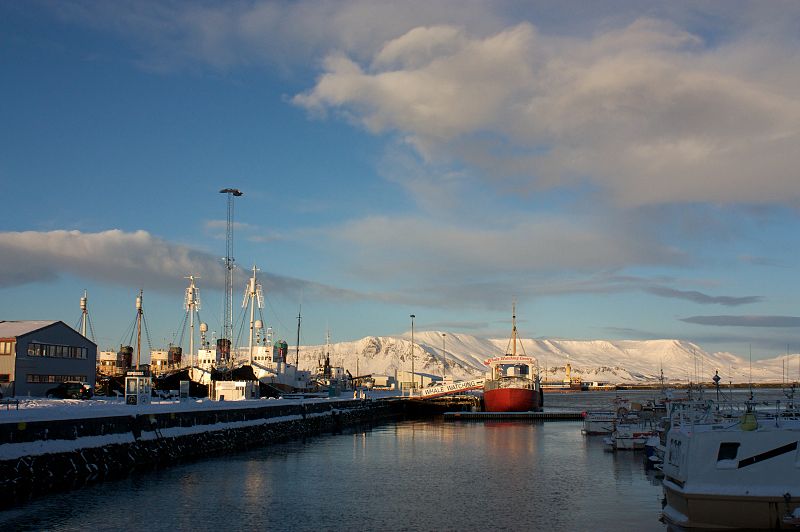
[514, 384]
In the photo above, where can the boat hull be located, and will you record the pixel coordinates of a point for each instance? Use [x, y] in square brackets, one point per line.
[697, 510]
[511, 400]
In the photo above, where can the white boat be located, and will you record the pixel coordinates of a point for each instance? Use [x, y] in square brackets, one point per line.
[735, 469]
[598, 422]
[604, 422]
[629, 434]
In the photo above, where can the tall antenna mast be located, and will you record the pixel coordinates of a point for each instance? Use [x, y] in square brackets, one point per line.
[192, 305]
[227, 325]
[84, 324]
[84, 313]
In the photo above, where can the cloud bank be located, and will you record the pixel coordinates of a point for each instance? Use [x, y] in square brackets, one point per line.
[704, 299]
[745, 321]
[137, 259]
[647, 113]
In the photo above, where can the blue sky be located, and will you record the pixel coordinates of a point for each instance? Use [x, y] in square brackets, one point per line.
[625, 170]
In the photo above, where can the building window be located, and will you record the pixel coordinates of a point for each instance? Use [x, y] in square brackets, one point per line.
[56, 351]
[54, 379]
[7, 347]
[5, 377]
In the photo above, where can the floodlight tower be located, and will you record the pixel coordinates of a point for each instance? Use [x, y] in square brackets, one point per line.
[227, 326]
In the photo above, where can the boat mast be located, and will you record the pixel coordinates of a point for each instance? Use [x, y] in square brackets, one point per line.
[514, 328]
[192, 305]
[139, 312]
[254, 297]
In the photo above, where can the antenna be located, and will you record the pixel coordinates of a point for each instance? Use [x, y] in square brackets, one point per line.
[227, 325]
[85, 321]
[84, 313]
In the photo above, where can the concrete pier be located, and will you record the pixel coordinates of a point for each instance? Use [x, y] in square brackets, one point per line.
[40, 457]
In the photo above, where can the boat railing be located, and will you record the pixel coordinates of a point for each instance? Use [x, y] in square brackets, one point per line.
[687, 416]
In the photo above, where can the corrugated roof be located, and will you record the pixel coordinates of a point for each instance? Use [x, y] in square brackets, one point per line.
[13, 329]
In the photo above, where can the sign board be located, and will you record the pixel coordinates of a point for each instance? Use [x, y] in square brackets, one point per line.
[446, 389]
[509, 359]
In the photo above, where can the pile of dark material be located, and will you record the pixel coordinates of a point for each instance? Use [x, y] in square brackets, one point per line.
[172, 381]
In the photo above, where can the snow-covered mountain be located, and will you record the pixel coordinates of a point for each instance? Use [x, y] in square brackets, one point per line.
[617, 361]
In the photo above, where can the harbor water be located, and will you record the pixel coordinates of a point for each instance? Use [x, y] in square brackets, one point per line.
[405, 475]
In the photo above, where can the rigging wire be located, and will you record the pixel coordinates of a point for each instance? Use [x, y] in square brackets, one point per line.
[240, 321]
[91, 327]
[284, 328]
[147, 333]
[182, 329]
[129, 332]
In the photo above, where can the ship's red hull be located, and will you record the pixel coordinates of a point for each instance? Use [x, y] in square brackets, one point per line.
[511, 400]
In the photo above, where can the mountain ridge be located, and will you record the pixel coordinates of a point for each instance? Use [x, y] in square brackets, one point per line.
[612, 361]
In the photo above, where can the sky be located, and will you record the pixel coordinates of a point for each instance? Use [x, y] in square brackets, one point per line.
[620, 169]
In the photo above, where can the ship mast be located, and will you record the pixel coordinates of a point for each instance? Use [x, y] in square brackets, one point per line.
[253, 296]
[514, 328]
[139, 313]
[192, 305]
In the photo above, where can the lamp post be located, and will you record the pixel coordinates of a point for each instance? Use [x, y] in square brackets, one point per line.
[444, 354]
[413, 382]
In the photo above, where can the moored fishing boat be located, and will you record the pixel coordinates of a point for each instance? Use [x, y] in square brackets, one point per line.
[513, 384]
[735, 469]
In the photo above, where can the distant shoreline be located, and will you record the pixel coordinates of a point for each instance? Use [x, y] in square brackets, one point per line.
[707, 385]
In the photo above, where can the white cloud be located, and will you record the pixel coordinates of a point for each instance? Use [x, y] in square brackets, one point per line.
[646, 112]
[649, 103]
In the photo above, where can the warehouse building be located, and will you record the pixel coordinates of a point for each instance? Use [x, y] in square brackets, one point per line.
[37, 355]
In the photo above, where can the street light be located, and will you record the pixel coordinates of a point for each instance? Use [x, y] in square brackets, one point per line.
[413, 382]
[444, 354]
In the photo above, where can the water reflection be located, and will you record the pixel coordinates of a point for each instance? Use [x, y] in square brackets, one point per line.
[403, 476]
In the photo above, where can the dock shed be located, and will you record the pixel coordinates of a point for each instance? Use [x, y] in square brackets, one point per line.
[37, 355]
